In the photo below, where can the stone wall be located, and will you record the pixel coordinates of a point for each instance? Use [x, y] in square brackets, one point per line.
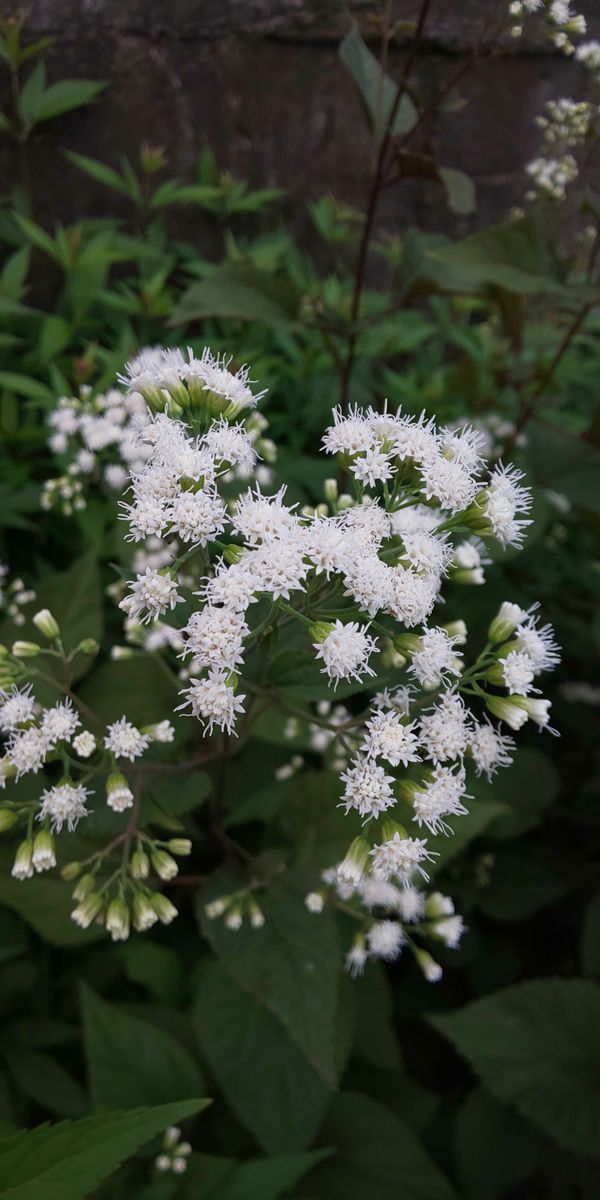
[260, 80]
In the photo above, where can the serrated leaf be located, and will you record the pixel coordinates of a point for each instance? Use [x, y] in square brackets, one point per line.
[537, 1046]
[377, 1157]
[130, 1059]
[209, 1178]
[243, 1042]
[242, 293]
[66, 1161]
[494, 1147]
[46, 904]
[289, 966]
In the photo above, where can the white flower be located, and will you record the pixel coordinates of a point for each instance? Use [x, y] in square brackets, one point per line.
[368, 788]
[278, 567]
[314, 902]
[214, 376]
[379, 893]
[145, 516]
[124, 740]
[440, 797]
[400, 856]
[64, 805]
[449, 930]
[426, 552]
[411, 904]
[538, 644]
[259, 518]
[356, 959]
[230, 444]
[215, 637]
[28, 750]
[505, 499]
[116, 477]
[17, 707]
[163, 732]
[517, 672]
[445, 729]
[388, 738]
[589, 55]
[370, 582]
[348, 435]
[435, 659]
[345, 651]
[59, 723]
[448, 482]
[197, 516]
[413, 596]
[374, 466]
[490, 749]
[385, 940]
[214, 700]
[152, 594]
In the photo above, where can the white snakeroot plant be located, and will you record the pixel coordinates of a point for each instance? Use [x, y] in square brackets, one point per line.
[351, 595]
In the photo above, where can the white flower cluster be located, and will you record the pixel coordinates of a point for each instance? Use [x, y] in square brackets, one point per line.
[96, 438]
[391, 919]
[14, 596]
[558, 20]
[565, 125]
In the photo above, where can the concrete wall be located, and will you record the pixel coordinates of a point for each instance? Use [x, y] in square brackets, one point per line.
[261, 81]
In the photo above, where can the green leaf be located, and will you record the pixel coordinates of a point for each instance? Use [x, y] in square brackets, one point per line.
[243, 1043]
[210, 1178]
[31, 94]
[46, 1081]
[24, 385]
[517, 256]
[155, 967]
[465, 829]
[75, 599]
[289, 966]
[140, 687]
[98, 171]
[66, 1161]
[65, 95]
[565, 464]
[526, 789]
[521, 884]
[242, 293]
[377, 1157]
[537, 1046]
[129, 1059]
[38, 236]
[460, 190]
[377, 89]
[495, 1148]
[46, 904]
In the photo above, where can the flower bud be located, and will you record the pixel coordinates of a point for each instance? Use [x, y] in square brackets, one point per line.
[23, 866]
[89, 646]
[119, 653]
[117, 920]
[330, 490]
[257, 916]
[314, 902]
[70, 871]
[505, 622]
[320, 631]
[25, 650]
[538, 710]
[88, 910]
[139, 867]
[351, 869]
[233, 554]
[165, 866]
[161, 732]
[438, 905]
[216, 908]
[234, 919]
[43, 857]
[181, 846]
[119, 795]
[47, 624]
[511, 709]
[430, 968]
[84, 887]
[457, 630]
[144, 913]
[8, 818]
[163, 908]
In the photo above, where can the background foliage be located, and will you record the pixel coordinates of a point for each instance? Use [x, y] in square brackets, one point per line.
[486, 1085]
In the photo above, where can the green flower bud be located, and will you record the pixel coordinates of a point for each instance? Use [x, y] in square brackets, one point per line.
[119, 795]
[352, 867]
[233, 554]
[165, 911]
[511, 709]
[84, 887]
[88, 910]
[25, 650]
[47, 624]
[44, 856]
[8, 818]
[165, 866]
[117, 920]
[181, 846]
[144, 913]
[505, 622]
[23, 865]
[430, 968]
[320, 631]
[139, 867]
[70, 871]
[330, 489]
[89, 646]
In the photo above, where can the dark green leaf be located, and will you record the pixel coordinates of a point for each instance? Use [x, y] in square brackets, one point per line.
[129, 1059]
[239, 293]
[537, 1046]
[245, 1043]
[378, 91]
